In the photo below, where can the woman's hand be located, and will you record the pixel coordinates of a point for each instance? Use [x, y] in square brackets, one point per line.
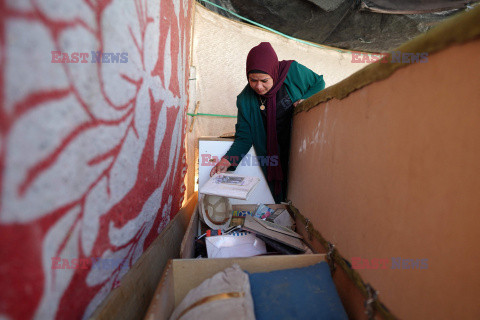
[296, 103]
[220, 167]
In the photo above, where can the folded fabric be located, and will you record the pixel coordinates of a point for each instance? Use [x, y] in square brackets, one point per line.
[225, 295]
[301, 293]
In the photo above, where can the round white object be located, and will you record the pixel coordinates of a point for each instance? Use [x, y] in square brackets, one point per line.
[215, 211]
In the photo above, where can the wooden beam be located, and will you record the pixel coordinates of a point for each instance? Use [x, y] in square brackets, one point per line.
[131, 299]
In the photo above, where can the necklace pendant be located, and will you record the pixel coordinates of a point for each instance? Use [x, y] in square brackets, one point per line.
[262, 107]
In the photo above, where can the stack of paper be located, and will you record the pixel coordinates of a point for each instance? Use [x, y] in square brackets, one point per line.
[230, 186]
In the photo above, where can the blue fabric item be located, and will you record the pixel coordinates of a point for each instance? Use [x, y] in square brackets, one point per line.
[301, 293]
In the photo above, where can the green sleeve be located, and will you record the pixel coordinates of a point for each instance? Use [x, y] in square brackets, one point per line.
[305, 80]
[243, 138]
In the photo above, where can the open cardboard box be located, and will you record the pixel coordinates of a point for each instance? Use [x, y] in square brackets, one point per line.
[182, 275]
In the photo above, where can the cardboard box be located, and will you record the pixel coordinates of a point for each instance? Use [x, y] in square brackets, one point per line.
[182, 275]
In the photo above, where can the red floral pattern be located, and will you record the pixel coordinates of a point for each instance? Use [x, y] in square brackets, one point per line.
[92, 158]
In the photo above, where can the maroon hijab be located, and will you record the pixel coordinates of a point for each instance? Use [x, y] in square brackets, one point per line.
[263, 58]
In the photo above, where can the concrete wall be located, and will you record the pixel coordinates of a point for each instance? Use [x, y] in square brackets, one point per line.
[92, 158]
[393, 171]
[220, 48]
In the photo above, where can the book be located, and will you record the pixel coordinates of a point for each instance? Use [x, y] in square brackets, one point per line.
[282, 217]
[230, 186]
[258, 226]
[277, 228]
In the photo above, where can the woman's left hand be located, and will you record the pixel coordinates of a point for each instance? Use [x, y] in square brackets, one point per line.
[296, 103]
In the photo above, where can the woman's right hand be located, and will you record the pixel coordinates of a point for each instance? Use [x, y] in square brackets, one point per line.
[220, 167]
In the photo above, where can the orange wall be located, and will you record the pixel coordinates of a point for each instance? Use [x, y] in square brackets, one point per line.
[393, 170]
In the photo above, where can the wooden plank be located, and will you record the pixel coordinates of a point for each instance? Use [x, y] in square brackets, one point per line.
[213, 138]
[131, 299]
[163, 301]
[187, 247]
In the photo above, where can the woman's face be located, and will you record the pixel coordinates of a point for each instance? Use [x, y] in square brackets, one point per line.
[261, 83]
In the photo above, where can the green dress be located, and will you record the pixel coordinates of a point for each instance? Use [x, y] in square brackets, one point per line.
[301, 83]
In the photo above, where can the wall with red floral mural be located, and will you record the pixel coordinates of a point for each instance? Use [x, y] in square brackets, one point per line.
[93, 98]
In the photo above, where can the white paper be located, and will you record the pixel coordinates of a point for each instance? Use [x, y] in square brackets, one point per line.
[226, 246]
[229, 185]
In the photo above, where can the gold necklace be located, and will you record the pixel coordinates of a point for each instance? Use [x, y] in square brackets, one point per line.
[262, 103]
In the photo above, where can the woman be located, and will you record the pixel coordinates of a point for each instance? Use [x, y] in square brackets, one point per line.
[265, 111]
